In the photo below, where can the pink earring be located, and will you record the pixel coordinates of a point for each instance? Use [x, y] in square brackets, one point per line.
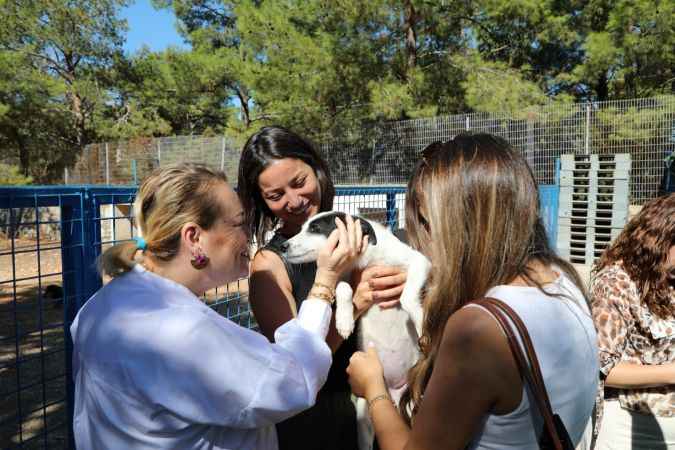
[199, 261]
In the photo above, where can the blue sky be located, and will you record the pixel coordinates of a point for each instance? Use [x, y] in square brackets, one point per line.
[151, 27]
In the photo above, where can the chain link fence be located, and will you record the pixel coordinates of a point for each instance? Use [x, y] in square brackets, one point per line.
[384, 152]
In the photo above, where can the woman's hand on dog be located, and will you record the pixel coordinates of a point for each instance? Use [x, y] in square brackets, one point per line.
[381, 285]
[366, 375]
[345, 244]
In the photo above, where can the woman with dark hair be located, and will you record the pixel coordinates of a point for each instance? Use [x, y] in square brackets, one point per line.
[633, 301]
[473, 208]
[283, 182]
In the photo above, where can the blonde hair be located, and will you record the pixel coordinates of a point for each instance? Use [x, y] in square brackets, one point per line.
[166, 200]
[473, 207]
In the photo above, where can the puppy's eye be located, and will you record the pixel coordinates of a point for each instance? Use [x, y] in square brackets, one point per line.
[314, 228]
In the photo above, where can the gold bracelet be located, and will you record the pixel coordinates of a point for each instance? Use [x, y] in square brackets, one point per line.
[322, 296]
[377, 398]
[325, 286]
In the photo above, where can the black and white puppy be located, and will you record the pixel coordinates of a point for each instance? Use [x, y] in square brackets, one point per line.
[393, 331]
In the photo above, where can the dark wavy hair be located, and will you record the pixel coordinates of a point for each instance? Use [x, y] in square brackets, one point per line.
[267, 145]
[472, 207]
[271, 144]
[642, 250]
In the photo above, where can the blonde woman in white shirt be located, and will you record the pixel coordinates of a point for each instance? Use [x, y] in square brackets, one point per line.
[154, 367]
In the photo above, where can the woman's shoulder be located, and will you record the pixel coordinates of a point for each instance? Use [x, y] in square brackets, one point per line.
[611, 273]
[612, 281]
[267, 260]
[470, 329]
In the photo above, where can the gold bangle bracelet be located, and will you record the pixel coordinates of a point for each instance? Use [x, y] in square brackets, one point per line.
[325, 286]
[376, 399]
[322, 296]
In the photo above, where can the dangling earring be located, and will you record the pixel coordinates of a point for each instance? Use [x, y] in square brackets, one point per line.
[199, 260]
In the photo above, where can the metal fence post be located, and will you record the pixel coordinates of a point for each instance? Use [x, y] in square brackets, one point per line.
[391, 210]
[529, 152]
[134, 175]
[222, 154]
[587, 138]
[159, 153]
[107, 165]
[80, 246]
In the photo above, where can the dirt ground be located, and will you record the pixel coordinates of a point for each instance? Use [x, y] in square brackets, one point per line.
[32, 355]
[33, 410]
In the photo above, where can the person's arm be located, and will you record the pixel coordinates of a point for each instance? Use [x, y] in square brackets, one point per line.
[625, 375]
[474, 374]
[270, 293]
[612, 294]
[206, 369]
[271, 297]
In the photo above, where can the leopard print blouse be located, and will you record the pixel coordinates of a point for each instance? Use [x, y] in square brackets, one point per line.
[628, 331]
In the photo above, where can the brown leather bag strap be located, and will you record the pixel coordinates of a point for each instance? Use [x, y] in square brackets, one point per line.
[529, 347]
[521, 361]
[531, 376]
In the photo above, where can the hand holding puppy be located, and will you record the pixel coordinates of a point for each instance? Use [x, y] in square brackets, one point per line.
[366, 375]
[344, 246]
[381, 285]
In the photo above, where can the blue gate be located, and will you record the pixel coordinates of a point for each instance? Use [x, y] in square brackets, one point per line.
[50, 238]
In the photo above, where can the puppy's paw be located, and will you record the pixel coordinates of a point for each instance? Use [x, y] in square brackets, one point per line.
[344, 322]
[344, 311]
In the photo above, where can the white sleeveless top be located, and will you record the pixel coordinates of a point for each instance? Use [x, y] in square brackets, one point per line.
[564, 339]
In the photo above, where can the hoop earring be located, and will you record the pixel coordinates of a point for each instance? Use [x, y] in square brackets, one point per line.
[199, 261]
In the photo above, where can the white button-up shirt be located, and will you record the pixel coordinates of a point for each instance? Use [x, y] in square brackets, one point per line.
[155, 368]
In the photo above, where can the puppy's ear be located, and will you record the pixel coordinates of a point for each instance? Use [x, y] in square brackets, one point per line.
[367, 230]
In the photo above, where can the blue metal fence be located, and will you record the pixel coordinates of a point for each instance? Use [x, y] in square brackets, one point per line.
[50, 238]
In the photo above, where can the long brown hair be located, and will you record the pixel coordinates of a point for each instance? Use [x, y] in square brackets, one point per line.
[472, 206]
[642, 250]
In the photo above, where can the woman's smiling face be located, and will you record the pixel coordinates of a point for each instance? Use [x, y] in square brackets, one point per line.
[291, 191]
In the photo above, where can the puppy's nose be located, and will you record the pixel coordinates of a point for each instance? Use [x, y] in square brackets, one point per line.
[284, 247]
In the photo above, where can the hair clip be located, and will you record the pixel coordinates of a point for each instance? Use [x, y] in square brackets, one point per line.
[140, 243]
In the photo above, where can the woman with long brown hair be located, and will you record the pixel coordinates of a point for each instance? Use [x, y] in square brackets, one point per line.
[473, 208]
[633, 302]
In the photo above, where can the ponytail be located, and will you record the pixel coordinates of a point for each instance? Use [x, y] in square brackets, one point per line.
[166, 200]
[118, 259]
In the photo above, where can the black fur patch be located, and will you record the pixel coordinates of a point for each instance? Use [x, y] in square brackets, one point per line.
[326, 224]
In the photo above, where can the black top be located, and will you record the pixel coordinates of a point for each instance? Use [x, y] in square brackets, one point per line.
[331, 423]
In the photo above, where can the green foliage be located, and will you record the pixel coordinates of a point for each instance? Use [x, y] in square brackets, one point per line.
[631, 124]
[59, 53]
[338, 69]
[11, 175]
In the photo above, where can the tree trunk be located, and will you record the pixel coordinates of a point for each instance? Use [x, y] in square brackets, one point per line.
[24, 151]
[243, 99]
[24, 155]
[411, 19]
[602, 88]
[76, 104]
